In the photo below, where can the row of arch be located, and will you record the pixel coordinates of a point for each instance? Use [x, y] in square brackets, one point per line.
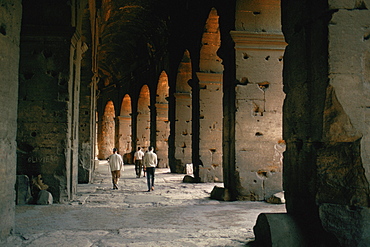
[227, 127]
[117, 131]
[141, 121]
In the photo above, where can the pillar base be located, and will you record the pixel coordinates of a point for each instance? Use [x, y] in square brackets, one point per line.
[278, 229]
[221, 194]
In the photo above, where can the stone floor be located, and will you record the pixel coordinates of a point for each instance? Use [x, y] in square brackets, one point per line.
[174, 214]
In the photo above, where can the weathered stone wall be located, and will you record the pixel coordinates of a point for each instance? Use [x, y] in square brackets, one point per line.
[10, 25]
[346, 127]
[49, 95]
[43, 109]
[210, 143]
[259, 47]
[326, 76]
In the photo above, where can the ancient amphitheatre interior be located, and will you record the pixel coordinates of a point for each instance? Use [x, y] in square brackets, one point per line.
[263, 96]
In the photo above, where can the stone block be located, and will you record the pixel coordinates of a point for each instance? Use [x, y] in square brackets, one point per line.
[23, 190]
[277, 230]
[350, 225]
[221, 194]
[277, 198]
[188, 179]
[44, 198]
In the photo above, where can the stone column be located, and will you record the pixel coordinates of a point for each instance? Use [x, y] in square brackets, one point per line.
[183, 130]
[210, 143]
[73, 116]
[162, 133]
[259, 102]
[107, 131]
[87, 98]
[181, 125]
[124, 135]
[143, 128]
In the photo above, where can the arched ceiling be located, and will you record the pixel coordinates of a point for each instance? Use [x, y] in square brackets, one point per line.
[137, 36]
[133, 37]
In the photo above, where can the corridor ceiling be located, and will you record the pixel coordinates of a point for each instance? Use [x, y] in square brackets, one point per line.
[133, 37]
[137, 35]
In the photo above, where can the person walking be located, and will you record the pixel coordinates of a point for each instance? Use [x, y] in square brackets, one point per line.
[138, 157]
[150, 163]
[116, 165]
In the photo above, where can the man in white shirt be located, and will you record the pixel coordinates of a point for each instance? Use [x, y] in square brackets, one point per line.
[116, 165]
[138, 157]
[150, 163]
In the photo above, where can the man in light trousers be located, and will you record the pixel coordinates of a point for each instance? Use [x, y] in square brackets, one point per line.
[116, 165]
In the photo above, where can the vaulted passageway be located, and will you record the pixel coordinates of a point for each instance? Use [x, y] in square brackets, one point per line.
[289, 82]
[196, 92]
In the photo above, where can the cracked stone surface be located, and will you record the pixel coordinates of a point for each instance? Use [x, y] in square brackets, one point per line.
[175, 213]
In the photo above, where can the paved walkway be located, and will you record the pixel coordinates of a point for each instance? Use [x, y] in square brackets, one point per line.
[174, 214]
